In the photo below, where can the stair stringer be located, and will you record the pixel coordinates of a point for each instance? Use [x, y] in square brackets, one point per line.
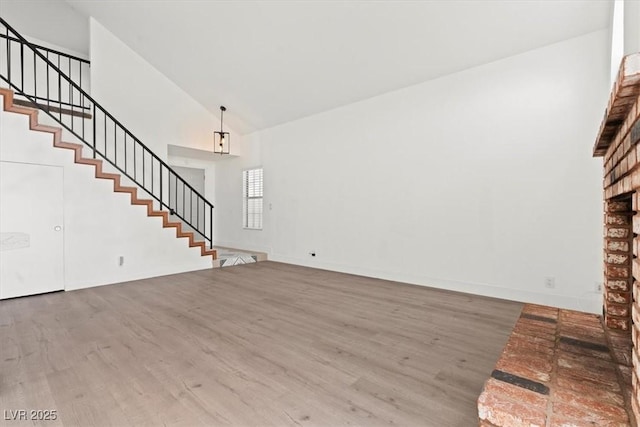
[56, 132]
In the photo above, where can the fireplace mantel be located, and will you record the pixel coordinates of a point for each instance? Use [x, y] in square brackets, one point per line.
[623, 99]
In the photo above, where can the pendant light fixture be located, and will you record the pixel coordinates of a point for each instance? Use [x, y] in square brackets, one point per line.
[221, 139]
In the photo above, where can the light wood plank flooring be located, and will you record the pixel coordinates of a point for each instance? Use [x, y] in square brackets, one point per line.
[265, 344]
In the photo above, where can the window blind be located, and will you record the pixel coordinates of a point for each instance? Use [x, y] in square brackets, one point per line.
[252, 193]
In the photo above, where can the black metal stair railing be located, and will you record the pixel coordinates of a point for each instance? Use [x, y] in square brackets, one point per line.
[31, 74]
[76, 68]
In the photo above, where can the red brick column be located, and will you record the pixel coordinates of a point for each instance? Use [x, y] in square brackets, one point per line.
[618, 265]
[635, 310]
[618, 143]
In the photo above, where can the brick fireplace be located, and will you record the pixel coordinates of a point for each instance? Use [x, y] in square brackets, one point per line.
[565, 368]
[618, 144]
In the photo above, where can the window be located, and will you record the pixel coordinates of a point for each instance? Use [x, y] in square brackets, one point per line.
[252, 195]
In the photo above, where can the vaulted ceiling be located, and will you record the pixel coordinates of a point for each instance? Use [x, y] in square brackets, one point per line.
[271, 62]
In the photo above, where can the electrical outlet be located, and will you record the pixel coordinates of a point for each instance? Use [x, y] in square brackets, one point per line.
[598, 287]
[550, 282]
[120, 260]
[312, 253]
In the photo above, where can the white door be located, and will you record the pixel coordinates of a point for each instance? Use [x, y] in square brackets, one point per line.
[31, 235]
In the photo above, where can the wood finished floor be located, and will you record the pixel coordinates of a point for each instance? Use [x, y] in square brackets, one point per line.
[254, 345]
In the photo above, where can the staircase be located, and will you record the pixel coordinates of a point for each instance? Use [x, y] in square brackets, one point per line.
[57, 104]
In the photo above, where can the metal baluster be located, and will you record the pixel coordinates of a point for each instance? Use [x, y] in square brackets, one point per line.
[48, 94]
[93, 122]
[81, 88]
[35, 80]
[125, 153]
[135, 164]
[82, 109]
[8, 56]
[115, 143]
[59, 90]
[169, 193]
[211, 227]
[70, 92]
[22, 67]
[105, 137]
[161, 195]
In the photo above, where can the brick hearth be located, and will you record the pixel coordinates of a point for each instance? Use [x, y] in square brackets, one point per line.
[559, 368]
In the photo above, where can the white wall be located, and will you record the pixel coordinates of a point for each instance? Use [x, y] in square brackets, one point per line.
[150, 105]
[624, 32]
[480, 181]
[99, 225]
[617, 34]
[631, 26]
[53, 20]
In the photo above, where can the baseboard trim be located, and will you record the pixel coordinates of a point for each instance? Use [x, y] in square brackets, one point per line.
[589, 302]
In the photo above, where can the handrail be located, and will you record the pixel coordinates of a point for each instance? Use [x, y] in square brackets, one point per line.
[47, 49]
[165, 196]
